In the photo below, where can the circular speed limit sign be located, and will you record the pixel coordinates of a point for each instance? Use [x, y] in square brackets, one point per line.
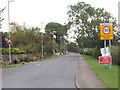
[106, 30]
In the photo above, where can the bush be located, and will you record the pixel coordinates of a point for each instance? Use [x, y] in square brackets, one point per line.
[28, 59]
[90, 51]
[22, 52]
[86, 51]
[5, 50]
[114, 53]
[13, 51]
[35, 58]
[81, 51]
[1, 61]
[49, 53]
[96, 53]
[15, 60]
[18, 51]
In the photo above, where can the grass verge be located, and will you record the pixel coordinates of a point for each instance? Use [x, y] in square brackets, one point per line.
[49, 57]
[109, 77]
[54, 56]
[13, 65]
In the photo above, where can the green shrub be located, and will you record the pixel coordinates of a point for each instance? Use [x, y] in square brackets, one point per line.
[13, 51]
[81, 51]
[28, 59]
[5, 50]
[22, 52]
[49, 53]
[96, 53]
[1, 61]
[88, 51]
[18, 51]
[34, 58]
[114, 53]
[15, 60]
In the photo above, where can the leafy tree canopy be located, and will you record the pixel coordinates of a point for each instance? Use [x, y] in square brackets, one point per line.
[87, 20]
[72, 47]
[56, 29]
[1, 19]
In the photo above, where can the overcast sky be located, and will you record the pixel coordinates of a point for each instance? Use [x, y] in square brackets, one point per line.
[33, 12]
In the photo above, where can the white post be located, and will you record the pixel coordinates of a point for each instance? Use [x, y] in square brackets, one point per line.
[105, 51]
[10, 61]
[9, 30]
[42, 41]
[60, 46]
[110, 51]
[53, 45]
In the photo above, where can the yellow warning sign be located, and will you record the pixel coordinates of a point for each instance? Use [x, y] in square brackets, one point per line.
[106, 32]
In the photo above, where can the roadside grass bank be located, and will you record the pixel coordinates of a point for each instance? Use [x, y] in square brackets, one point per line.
[20, 64]
[54, 56]
[49, 58]
[13, 65]
[109, 77]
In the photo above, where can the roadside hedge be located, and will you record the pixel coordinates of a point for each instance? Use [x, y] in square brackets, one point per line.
[95, 52]
[28, 59]
[13, 51]
[114, 53]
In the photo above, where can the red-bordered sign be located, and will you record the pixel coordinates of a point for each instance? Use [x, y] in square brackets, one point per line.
[106, 30]
[9, 41]
[105, 60]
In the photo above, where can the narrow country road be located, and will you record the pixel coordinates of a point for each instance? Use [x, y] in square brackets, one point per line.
[58, 72]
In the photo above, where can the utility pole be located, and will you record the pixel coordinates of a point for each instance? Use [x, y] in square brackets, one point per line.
[9, 30]
[42, 41]
[53, 43]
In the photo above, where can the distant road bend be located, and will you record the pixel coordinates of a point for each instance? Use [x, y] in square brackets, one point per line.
[58, 72]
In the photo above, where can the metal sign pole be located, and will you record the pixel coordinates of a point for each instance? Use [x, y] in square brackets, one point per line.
[53, 46]
[105, 51]
[10, 61]
[110, 52]
[42, 50]
[42, 45]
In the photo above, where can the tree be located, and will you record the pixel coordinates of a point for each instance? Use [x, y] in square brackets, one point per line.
[1, 19]
[48, 44]
[56, 29]
[72, 47]
[87, 19]
[28, 39]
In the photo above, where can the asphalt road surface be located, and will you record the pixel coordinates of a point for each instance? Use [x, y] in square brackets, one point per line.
[59, 72]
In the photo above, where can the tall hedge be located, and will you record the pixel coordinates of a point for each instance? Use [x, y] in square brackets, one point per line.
[96, 52]
[114, 53]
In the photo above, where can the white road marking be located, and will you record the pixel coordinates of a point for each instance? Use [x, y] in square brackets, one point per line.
[37, 64]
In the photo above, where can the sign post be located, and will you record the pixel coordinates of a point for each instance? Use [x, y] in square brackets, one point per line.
[9, 42]
[106, 33]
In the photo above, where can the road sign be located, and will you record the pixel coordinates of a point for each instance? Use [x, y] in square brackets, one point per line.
[9, 41]
[106, 31]
[105, 60]
[105, 51]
